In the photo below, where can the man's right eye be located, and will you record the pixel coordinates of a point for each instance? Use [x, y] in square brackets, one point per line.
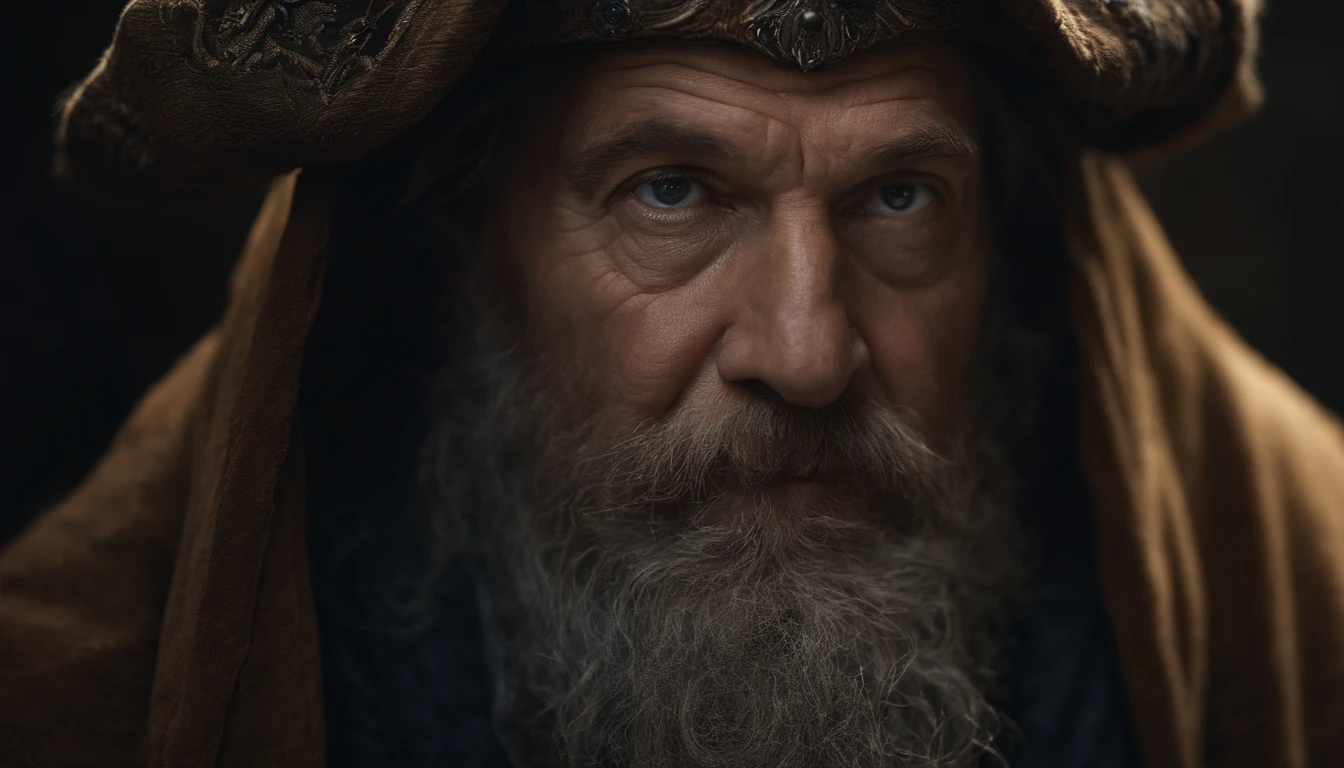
[670, 193]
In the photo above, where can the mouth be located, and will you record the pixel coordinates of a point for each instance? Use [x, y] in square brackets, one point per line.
[790, 480]
[792, 486]
[787, 496]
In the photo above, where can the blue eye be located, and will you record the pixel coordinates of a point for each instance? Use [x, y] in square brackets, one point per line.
[670, 193]
[901, 199]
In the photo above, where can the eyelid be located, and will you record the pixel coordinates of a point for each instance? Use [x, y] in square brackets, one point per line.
[858, 198]
[700, 176]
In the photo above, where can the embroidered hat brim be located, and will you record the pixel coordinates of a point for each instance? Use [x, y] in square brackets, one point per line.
[198, 98]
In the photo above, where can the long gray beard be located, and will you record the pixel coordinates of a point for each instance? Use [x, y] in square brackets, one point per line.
[647, 617]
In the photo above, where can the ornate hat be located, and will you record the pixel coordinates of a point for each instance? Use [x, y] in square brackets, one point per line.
[199, 97]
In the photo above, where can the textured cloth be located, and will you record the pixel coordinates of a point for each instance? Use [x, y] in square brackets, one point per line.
[196, 99]
[163, 613]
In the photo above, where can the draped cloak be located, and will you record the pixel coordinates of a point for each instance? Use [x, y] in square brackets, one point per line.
[163, 614]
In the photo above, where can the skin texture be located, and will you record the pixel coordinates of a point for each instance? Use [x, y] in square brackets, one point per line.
[730, 296]
[786, 273]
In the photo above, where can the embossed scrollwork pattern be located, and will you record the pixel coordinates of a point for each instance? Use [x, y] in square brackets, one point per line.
[804, 33]
[323, 40]
[811, 33]
[778, 27]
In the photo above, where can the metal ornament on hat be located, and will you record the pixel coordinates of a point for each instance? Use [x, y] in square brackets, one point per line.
[806, 33]
[802, 33]
[324, 41]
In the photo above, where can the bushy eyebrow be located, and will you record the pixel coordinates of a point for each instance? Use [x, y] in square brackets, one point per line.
[591, 166]
[927, 141]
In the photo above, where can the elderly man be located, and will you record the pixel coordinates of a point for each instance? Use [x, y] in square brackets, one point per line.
[693, 383]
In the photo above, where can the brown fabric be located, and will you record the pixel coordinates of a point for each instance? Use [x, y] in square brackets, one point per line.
[162, 614]
[1139, 72]
[1149, 75]
[239, 628]
[201, 98]
[1219, 505]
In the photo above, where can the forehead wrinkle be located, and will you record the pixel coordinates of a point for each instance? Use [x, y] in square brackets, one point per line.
[719, 124]
[841, 152]
[910, 90]
[690, 73]
[777, 92]
[745, 109]
[702, 90]
[910, 81]
[909, 111]
[913, 133]
[784, 142]
[915, 83]
[712, 104]
[750, 68]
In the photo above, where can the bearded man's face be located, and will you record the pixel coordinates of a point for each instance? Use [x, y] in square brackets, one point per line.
[728, 482]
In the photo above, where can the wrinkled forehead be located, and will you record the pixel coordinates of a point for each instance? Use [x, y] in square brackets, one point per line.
[937, 60]
[927, 81]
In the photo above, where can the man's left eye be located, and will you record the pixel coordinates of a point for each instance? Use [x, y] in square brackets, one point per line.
[901, 199]
[671, 193]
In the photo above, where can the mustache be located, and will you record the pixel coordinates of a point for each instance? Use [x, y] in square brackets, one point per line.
[758, 439]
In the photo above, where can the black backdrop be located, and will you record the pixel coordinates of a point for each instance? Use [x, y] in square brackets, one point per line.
[98, 303]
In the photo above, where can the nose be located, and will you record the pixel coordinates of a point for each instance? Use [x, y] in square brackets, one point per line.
[792, 332]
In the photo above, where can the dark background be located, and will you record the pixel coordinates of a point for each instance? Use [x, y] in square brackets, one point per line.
[97, 303]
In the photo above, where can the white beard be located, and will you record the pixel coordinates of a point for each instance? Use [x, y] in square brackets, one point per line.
[737, 629]
[717, 649]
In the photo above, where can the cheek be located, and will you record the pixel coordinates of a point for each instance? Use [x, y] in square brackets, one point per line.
[925, 341]
[633, 348]
[655, 349]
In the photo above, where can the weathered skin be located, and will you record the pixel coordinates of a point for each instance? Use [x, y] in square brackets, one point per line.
[782, 266]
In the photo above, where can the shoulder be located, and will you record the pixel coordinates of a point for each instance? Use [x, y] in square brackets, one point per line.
[1273, 542]
[1291, 448]
[82, 590]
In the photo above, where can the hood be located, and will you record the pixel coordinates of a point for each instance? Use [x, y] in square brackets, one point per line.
[200, 98]
[1178, 422]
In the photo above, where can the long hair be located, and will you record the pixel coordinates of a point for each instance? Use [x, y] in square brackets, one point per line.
[407, 670]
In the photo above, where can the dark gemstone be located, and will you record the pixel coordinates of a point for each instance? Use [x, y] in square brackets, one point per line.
[812, 21]
[615, 13]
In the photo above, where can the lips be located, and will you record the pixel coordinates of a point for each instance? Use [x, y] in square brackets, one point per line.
[787, 488]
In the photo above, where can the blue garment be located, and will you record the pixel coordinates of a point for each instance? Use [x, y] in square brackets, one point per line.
[1064, 692]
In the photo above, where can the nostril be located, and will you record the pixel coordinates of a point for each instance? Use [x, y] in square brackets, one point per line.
[804, 355]
[756, 388]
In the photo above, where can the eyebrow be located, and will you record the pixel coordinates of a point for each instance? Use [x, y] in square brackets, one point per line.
[928, 141]
[593, 164]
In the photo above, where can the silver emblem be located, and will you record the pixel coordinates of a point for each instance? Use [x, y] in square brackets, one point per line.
[807, 33]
